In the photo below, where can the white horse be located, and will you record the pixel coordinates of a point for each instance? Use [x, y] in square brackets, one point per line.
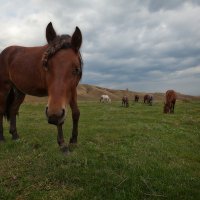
[105, 98]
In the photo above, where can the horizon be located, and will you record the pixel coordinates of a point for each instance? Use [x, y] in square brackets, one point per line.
[147, 46]
[154, 92]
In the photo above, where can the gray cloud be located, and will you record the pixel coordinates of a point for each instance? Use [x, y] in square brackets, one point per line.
[141, 45]
[157, 5]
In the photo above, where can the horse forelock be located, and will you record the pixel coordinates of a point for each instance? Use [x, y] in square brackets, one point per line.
[60, 42]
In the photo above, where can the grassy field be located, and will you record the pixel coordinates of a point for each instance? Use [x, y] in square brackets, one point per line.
[122, 153]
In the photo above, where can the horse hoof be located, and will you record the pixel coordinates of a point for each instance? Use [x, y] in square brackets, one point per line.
[61, 143]
[73, 141]
[64, 149]
[15, 137]
[2, 139]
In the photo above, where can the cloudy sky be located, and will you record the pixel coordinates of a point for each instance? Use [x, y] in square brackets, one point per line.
[142, 45]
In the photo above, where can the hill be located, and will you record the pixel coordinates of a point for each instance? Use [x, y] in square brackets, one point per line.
[92, 93]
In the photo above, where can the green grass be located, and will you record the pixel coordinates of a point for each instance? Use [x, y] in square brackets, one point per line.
[122, 153]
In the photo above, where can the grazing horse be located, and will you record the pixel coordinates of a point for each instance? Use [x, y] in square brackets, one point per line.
[105, 98]
[170, 101]
[125, 101]
[52, 70]
[148, 99]
[136, 98]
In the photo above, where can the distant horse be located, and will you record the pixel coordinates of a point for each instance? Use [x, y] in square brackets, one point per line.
[170, 101]
[136, 98]
[52, 70]
[148, 99]
[105, 99]
[125, 101]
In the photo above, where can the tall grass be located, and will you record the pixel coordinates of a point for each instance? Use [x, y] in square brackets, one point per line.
[122, 153]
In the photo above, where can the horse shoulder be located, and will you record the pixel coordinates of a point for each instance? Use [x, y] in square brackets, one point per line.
[24, 65]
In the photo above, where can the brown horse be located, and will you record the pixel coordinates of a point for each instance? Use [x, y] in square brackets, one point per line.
[170, 101]
[125, 101]
[148, 99]
[137, 98]
[53, 70]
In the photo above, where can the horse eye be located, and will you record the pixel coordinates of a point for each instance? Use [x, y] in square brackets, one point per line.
[76, 71]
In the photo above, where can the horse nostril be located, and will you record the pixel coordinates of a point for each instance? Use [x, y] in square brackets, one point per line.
[55, 118]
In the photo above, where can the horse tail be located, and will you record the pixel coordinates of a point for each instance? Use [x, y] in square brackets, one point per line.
[9, 101]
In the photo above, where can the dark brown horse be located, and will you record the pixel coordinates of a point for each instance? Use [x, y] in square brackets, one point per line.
[148, 99]
[53, 70]
[137, 98]
[125, 102]
[170, 101]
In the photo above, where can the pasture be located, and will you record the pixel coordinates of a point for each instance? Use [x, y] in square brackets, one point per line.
[122, 153]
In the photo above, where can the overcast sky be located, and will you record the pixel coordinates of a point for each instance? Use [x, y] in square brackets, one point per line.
[142, 45]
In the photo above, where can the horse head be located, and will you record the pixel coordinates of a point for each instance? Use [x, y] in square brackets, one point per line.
[166, 108]
[63, 65]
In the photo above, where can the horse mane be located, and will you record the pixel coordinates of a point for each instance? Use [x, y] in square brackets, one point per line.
[60, 42]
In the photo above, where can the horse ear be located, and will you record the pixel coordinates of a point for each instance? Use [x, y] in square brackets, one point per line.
[50, 33]
[76, 40]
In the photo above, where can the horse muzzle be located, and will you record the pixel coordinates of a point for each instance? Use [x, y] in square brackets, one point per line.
[57, 118]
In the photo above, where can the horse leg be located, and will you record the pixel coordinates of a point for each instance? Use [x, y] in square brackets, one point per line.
[14, 108]
[60, 137]
[1, 128]
[171, 108]
[4, 91]
[173, 105]
[2, 109]
[75, 117]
